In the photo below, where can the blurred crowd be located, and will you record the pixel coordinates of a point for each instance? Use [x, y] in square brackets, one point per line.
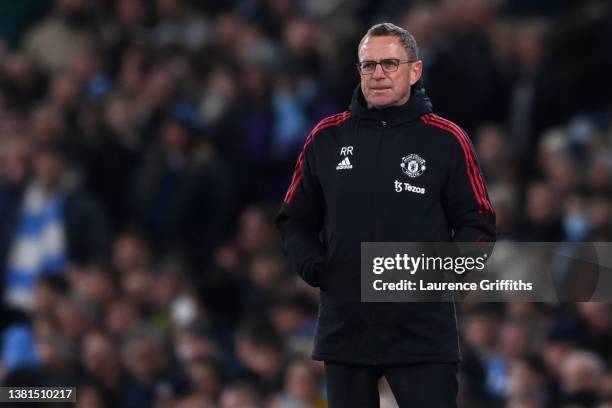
[145, 147]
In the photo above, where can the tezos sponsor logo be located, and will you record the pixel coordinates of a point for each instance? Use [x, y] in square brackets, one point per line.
[400, 186]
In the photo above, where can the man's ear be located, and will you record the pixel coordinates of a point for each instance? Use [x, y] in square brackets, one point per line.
[417, 72]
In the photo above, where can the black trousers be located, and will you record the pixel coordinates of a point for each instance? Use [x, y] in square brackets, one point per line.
[430, 385]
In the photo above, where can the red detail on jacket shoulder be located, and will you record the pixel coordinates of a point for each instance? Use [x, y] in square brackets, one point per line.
[334, 120]
[476, 181]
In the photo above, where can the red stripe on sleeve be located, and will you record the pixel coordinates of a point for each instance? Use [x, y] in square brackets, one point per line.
[428, 120]
[468, 144]
[297, 173]
[473, 173]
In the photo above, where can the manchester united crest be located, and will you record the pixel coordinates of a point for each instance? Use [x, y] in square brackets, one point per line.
[413, 165]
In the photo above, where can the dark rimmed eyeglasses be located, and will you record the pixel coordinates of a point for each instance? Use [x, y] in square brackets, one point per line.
[388, 65]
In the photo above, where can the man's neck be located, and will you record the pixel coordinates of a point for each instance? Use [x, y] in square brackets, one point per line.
[380, 108]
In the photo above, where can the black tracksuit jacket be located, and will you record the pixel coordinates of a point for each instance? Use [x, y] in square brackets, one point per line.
[333, 204]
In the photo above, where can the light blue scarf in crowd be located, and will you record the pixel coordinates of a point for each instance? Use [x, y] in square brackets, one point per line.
[38, 246]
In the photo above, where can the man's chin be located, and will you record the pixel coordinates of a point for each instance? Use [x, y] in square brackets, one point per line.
[380, 104]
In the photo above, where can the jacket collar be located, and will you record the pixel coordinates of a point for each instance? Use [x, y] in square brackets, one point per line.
[418, 104]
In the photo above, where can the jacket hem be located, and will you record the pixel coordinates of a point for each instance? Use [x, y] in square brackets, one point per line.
[409, 359]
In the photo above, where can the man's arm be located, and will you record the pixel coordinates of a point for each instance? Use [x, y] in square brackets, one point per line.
[301, 218]
[465, 197]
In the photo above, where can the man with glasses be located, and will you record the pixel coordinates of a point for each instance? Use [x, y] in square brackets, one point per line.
[387, 170]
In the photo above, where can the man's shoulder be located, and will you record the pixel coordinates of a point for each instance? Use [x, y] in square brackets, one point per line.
[445, 125]
[331, 121]
[327, 124]
[447, 130]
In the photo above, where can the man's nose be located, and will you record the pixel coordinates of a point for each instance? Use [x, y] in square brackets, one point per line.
[378, 73]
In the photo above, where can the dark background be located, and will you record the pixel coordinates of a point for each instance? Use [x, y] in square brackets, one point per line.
[165, 133]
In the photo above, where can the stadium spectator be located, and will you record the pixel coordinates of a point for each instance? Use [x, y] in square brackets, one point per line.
[56, 224]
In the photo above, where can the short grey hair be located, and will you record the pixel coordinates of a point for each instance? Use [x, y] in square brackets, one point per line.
[390, 29]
